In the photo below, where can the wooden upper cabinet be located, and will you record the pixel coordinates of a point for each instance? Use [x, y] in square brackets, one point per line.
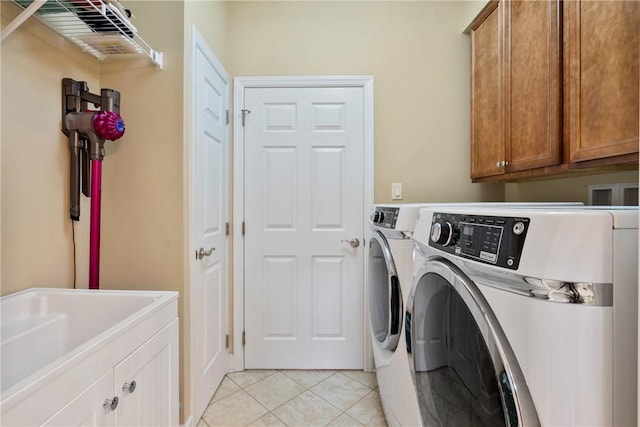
[487, 131]
[533, 91]
[516, 92]
[601, 42]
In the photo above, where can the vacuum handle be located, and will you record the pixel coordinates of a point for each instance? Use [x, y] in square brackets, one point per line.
[86, 170]
[75, 150]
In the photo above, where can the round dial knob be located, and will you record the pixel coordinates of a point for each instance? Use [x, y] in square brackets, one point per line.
[377, 217]
[442, 233]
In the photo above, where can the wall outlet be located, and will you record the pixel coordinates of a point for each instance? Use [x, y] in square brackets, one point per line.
[396, 191]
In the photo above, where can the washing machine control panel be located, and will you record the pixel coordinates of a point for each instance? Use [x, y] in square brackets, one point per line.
[385, 217]
[492, 240]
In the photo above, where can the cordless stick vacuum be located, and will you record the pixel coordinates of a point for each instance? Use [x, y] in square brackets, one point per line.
[87, 132]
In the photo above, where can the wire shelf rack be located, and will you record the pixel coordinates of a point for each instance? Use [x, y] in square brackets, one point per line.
[100, 27]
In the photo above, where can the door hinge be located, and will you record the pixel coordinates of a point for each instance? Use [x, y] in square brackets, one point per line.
[226, 341]
[243, 228]
[244, 114]
[226, 229]
[227, 117]
[243, 338]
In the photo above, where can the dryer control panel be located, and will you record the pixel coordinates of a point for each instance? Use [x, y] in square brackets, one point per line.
[385, 217]
[492, 240]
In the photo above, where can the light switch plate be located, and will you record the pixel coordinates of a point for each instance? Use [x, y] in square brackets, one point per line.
[396, 191]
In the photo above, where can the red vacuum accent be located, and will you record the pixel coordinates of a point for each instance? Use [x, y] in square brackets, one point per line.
[94, 237]
[107, 125]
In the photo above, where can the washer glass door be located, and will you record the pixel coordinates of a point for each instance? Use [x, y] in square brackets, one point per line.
[463, 368]
[385, 300]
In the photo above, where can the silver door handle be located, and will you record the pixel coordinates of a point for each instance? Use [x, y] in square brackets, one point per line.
[202, 253]
[354, 243]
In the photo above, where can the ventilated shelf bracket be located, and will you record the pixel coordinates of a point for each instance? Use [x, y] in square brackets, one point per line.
[24, 15]
[100, 27]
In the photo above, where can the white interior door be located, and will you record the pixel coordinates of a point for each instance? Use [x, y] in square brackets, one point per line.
[209, 217]
[303, 201]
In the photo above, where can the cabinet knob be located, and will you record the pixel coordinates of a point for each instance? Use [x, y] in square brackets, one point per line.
[497, 164]
[111, 404]
[129, 387]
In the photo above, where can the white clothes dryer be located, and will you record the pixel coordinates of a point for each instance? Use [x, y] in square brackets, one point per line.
[525, 316]
[390, 278]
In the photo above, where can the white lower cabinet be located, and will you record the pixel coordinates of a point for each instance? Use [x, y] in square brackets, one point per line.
[86, 409]
[141, 390]
[147, 384]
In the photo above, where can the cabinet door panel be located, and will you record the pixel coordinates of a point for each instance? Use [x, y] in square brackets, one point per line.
[487, 131]
[86, 409]
[532, 84]
[154, 401]
[603, 40]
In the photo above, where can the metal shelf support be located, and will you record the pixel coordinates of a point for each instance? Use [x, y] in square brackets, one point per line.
[99, 27]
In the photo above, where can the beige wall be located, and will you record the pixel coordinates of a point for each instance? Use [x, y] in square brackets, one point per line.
[415, 51]
[142, 217]
[144, 186]
[420, 61]
[36, 229]
[572, 188]
[211, 19]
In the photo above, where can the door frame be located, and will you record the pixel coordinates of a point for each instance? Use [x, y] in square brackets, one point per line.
[188, 320]
[236, 362]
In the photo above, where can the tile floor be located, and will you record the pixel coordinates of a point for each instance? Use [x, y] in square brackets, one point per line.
[295, 398]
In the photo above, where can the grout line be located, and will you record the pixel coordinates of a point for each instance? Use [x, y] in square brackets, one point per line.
[310, 370]
[306, 388]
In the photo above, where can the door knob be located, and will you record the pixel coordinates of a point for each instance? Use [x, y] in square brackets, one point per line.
[354, 243]
[202, 253]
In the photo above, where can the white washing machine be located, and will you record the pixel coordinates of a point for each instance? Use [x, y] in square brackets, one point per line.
[525, 317]
[390, 280]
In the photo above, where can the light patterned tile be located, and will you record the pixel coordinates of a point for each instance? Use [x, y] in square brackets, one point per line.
[238, 409]
[341, 390]
[364, 378]
[274, 390]
[308, 378]
[252, 376]
[306, 410]
[269, 420]
[369, 411]
[344, 420]
[226, 388]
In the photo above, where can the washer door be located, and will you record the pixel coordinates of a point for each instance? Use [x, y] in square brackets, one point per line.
[463, 367]
[385, 299]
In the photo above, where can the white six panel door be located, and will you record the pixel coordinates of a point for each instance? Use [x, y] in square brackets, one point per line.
[304, 191]
[210, 183]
